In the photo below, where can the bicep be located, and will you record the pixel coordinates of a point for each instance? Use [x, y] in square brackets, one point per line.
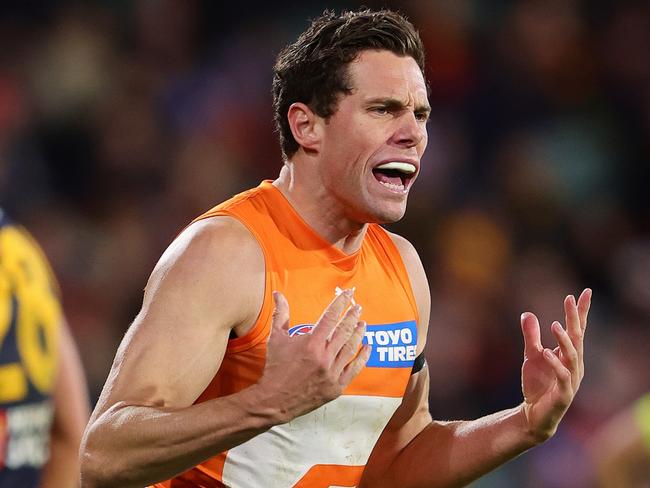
[205, 284]
[419, 286]
[412, 416]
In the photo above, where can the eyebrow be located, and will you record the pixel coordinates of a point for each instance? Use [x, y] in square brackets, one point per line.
[394, 104]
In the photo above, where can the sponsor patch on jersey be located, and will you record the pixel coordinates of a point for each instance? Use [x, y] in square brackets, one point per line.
[301, 329]
[393, 345]
[26, 434]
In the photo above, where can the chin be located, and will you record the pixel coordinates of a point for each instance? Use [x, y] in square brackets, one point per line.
[388, 215]
[375, 210]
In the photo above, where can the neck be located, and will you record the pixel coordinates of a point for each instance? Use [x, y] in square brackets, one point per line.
[319, 209]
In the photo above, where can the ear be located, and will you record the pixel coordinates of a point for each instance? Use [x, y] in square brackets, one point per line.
[304, 126]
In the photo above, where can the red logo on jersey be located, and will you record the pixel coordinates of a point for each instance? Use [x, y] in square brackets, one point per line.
[4, 437]
[301, 329]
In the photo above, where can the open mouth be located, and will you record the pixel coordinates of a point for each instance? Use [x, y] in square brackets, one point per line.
[395, 175]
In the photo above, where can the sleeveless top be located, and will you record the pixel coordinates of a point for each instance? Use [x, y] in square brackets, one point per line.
[330, 445]
[30, 317]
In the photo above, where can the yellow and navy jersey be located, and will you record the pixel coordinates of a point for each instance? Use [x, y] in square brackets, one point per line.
[330, 445]
[30, 317]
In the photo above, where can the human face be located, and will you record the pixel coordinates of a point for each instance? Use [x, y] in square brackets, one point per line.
[372, 145]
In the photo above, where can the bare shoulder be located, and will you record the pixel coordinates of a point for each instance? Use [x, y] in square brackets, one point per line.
[216, 241]
[419, 283]
[404, 246]
[412, 262]
[217, 261]
[209, 281]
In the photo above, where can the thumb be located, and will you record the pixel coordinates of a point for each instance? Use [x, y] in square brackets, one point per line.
[280, 317]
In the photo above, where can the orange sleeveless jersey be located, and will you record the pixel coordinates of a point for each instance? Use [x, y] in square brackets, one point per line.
[328, 447]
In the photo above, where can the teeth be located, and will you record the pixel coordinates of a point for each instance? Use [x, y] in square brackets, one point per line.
[392, 186]
[407, 168]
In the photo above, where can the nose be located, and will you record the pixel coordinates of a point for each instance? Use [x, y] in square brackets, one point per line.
[409, 132]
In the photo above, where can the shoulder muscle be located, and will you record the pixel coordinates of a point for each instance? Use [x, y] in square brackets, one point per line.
[419, 283]
[209, 281]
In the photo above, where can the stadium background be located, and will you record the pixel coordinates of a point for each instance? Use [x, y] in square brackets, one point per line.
[121, 120]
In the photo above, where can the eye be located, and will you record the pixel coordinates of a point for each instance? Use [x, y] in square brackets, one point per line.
[379, 110]
[422, 116]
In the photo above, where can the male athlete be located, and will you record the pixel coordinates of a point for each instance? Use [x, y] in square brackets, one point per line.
[237, 372]
[43, 399]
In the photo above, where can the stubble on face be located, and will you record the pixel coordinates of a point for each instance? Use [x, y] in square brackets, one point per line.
[382, 119]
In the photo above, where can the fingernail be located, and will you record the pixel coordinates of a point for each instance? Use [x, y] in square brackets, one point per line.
[548, 354]
[523, 316]
[572, 299]
[358, 308]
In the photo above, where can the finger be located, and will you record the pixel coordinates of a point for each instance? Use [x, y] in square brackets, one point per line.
[572, 321]
[584, 303]
[530, 330]
[562, 374]
[280, 317]
[345, 329]
[332, 314]
[351, 347]
[569, 356]
[355, 366]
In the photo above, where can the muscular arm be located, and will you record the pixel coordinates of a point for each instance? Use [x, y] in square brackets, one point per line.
[145, 427]
[415, 451]
[426, 453]
[70, 417]
[210, 281]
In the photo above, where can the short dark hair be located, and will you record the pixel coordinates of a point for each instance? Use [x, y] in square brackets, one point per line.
[314, 69]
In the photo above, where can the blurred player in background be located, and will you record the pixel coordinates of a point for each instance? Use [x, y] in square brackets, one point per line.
[621, 448]
[228, 377]
[43, 398]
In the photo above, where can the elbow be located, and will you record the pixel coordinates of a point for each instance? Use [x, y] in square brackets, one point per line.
[98, 472]
[94, 473]
[104, 465]
[98, 469]
[105, 457]
[91, 472]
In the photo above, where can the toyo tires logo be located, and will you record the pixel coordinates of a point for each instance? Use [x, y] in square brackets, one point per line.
[393, 345]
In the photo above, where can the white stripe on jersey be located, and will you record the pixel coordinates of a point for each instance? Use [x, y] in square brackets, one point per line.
[343, 431]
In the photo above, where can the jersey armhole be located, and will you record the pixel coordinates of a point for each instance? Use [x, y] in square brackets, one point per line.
[260, 329]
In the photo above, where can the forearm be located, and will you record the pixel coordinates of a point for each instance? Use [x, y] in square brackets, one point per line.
[450, 454]
[132, 446]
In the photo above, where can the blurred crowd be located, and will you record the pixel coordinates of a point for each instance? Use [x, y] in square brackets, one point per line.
[120, 121]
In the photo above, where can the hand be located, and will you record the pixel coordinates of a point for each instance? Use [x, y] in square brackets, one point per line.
[550, 379]
[305, 371]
